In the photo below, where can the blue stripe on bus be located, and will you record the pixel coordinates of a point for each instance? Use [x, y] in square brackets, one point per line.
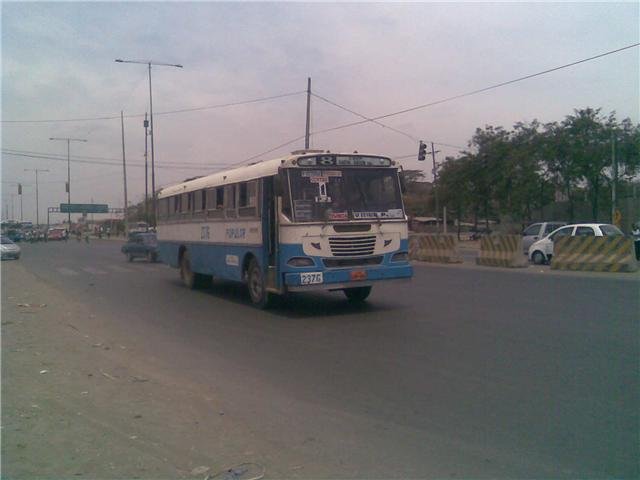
[210, 259]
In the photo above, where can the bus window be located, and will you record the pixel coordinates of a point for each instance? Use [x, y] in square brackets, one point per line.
[176, 205]
[230, 201]
[214, 202]
[247, 201]
[198, 202]
[184, 203]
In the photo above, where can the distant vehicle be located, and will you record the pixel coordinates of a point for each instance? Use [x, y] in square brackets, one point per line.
[536, 231]
[139, 227]
[15, 235]
[141, 245]
[312, 220]
[56, 234]
[542, 250]
[8, 249]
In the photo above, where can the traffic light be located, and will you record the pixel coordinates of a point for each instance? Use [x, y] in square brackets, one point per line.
[19, 189]
[422, 151]
[66, 187]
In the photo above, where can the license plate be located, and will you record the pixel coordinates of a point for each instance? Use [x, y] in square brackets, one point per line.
[310, 278]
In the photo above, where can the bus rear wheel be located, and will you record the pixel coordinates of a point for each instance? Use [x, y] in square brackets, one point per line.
[358, 294]
[191, 279]
[255, 281]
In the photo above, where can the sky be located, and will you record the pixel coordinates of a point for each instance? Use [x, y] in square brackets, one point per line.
[371, 58]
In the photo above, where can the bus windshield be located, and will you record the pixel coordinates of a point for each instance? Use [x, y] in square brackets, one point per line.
[320, 195]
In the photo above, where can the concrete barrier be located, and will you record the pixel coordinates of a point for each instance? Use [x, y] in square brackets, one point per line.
[434, 248]
[594, 254]
[501, 251]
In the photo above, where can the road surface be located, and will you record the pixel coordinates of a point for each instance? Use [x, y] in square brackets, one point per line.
[463, 372]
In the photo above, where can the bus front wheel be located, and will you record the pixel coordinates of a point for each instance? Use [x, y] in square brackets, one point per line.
[255, 281]
[358, 294]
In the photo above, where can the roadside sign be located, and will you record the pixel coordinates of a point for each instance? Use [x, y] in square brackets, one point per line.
[84, 208]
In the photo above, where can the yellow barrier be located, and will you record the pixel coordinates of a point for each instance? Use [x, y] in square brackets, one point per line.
[434, 248]
[501, 251]
[594, 254]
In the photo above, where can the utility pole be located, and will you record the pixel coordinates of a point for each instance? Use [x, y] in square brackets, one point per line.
[146, 174]
[435, 190]
[306, 135]
[152, 132]
[69, 140]
[614, 162]
[37, 201]
[124, 171]
[20, 193]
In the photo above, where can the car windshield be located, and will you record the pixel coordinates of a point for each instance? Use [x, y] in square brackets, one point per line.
[611, 231]
[6, 241]
[348, 194]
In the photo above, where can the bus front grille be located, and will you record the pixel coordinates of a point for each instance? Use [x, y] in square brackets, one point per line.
[352, 246]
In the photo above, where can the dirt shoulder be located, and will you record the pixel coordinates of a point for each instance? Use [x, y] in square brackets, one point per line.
[78, 404]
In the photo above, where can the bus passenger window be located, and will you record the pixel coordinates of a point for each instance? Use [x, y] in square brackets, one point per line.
[184, 203]
[176, 205]
[230, 201]
[198, 200]
[214, 202]
[247, 199]
[219, 198]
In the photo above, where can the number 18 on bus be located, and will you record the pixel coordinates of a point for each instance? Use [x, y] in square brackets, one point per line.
[313, 220]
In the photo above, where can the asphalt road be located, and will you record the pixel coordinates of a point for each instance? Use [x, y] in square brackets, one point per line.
[464, 372]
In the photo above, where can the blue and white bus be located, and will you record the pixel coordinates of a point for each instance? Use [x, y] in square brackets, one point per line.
[308, 221]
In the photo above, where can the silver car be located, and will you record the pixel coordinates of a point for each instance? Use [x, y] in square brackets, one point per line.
[8, 249]
[536, 231]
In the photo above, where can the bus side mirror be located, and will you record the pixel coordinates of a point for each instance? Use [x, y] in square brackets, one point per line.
[277, 186]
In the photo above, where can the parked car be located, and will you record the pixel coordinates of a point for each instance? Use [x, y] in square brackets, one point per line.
[536, 231]
[141, 245]
[8, 249]
[56, 234]
[542, 250]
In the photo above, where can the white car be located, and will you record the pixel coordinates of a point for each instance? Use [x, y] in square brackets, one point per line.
[542, 250]
[8, 249]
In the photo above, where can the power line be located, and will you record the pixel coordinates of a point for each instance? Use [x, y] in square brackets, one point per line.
[99, 162]
[475, 92]
[365, 117]
[408, 135]
[11, 151]
[170, 112]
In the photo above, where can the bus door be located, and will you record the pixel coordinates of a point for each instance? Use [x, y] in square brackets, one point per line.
[270, 232]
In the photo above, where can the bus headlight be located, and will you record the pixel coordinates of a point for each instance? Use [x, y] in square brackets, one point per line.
[300, 262]
[400, 257]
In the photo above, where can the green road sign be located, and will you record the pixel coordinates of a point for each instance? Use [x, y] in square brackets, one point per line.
[84, 208]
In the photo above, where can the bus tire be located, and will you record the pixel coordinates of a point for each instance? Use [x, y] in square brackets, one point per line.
[357, 294]
[255, 282]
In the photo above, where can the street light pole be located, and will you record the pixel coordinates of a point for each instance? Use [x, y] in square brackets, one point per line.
[37, 201]
[69, 140]
[151, 132]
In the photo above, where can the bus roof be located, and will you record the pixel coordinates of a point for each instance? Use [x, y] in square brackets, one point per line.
[249, 172]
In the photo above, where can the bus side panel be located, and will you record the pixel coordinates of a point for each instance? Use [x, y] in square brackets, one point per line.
[221, 261]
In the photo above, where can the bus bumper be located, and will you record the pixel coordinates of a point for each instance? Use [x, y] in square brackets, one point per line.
[344, 278]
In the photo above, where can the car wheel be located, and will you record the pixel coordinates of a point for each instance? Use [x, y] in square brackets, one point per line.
[151, 257]
[358, 294]
[538, 257]
[255, 281]
[130, 257]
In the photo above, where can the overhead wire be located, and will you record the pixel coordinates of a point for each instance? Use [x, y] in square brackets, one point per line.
[169, 112]
[475, 92]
